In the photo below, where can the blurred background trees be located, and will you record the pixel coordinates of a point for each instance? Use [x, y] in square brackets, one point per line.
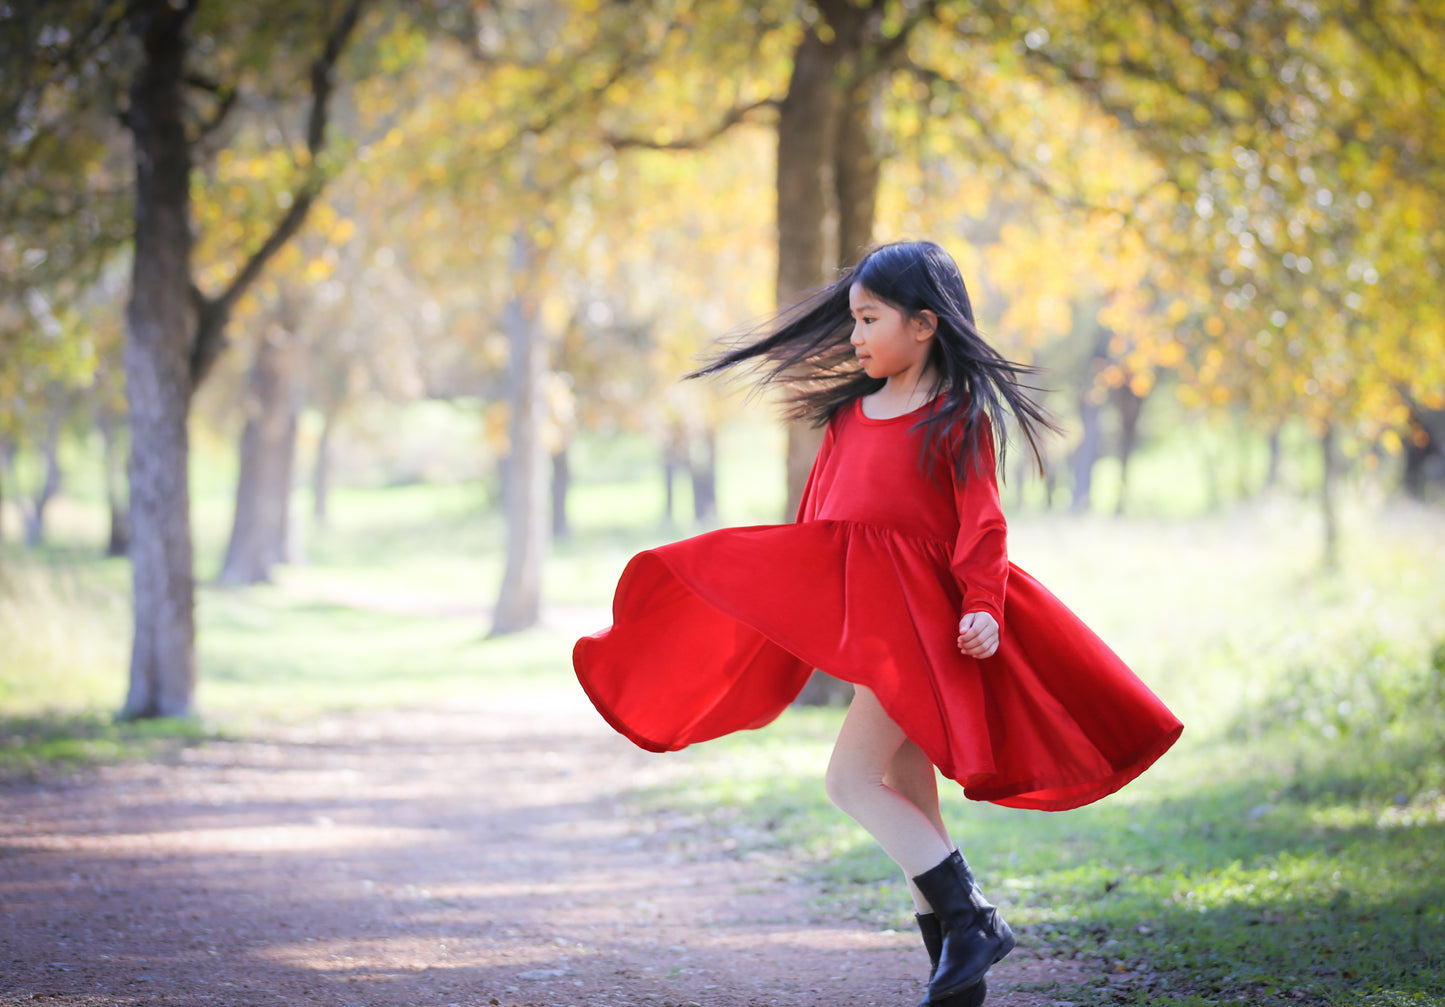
[1221, 218]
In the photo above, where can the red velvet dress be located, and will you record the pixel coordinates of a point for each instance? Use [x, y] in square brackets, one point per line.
[720, 632]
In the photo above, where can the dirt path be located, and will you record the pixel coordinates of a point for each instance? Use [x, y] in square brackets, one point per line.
[470, 856]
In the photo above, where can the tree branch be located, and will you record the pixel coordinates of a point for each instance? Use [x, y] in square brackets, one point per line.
[322, 80]
[568, 103]
[1383, 33]
[27, 48]
[1004, 149]
[892, 52]
[215, 312]
[201, 82]
[734, 117]
[223, 109]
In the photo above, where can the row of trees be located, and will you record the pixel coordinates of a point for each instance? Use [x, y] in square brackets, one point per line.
[554, 204]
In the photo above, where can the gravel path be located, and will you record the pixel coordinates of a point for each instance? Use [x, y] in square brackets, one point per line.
[478, 855]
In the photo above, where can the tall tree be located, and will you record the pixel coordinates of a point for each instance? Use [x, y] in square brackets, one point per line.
[525, 483]
[260, 528]
[829, 162]
[829, 147]
[175, 332]
[829, 167]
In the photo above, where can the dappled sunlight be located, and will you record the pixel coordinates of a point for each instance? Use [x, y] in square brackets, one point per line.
[821, 937]
[519, 866]
[1401, 814]
[319, 837]
[399, 955]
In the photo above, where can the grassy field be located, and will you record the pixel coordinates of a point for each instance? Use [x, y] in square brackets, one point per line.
[1290, 849]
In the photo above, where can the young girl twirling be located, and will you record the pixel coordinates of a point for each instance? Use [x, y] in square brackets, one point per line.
[895, 578]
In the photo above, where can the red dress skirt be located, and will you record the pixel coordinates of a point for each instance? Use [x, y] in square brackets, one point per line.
[720, 632]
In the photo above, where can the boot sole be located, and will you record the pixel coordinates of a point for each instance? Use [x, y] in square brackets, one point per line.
[1005, 946]
[969, 996]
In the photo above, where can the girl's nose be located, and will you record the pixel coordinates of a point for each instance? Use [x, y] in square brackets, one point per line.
[856, 336]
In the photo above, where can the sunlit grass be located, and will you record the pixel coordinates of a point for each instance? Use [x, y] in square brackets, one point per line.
[45, 744]
[64, 638]
[64, 631]
[310, 644]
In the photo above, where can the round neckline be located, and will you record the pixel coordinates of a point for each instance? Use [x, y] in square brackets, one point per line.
[869, 420]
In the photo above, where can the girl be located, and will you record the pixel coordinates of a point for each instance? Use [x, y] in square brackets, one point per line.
[893, 578]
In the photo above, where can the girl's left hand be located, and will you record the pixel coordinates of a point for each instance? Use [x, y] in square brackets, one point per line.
[978, 635]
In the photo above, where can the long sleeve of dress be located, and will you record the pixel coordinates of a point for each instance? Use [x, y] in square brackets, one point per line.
[808, 504]
[980, 555]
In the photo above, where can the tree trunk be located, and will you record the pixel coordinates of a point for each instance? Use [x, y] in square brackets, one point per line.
[1129, 407]
[174, 335]
[50, 485]
[674, 457]
[525, 489]
[1328, 494]
[857, 166]
[261, 527]
[1271, 475]
[110, 437]
[807, 210]
[1241, 441]
[828, 173]
[160, 325]
[1213, 459]
[321, 470]
[1086, 454]
[1424, 464]
[561, 484]
[703, 465]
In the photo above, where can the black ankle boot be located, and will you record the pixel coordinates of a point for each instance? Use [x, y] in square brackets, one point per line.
[932, 931]
[974, 935]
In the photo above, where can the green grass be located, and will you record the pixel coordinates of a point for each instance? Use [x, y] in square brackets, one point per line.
[1288, 850]
[43, 745]
[64, 621]
[280, 650]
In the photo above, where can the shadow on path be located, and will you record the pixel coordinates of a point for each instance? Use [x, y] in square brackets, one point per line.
[481, 854]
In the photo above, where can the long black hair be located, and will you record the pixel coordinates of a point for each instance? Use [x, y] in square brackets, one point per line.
[806, 347]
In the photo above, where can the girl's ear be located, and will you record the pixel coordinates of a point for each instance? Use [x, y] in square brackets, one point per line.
[925, 324]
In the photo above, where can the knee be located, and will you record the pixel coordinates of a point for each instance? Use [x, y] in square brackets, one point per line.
[847, 786]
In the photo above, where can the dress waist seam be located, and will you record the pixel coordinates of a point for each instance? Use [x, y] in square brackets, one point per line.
[886, 529]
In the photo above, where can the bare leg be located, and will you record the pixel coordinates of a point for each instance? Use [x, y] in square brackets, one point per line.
[866, 749]
[913, 776]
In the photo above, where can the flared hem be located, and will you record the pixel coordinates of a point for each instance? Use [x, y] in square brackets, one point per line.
[1052, 722]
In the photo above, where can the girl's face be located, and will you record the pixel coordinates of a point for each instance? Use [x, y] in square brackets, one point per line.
[888, 343]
